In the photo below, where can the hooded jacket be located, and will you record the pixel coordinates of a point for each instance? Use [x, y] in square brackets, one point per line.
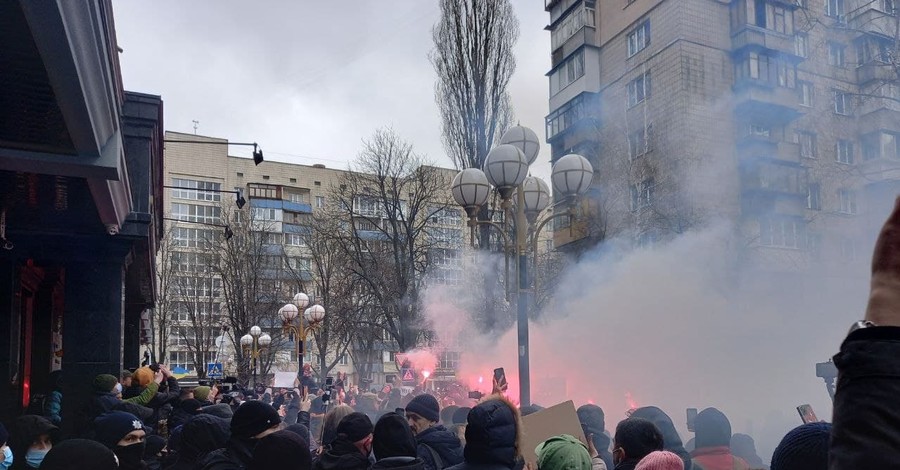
[671, 439]
[22, 433]
[393, 444]
[200, 435]
[399, 463]
[342, 455]
[235, 456]
[492, 436]
[713, 439]
[443, 443]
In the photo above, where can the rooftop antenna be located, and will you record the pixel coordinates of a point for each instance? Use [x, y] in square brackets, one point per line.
[196, 123]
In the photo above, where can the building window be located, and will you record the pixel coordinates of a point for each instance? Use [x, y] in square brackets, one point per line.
[343, 361]
[639, 141]
[805, 90]
[760, 130]
[639, 39]
[267, 214]
[196, 190]
[196, 213]
[320, 202]
[847, 199]
[844, 151]
[889, 6]
[192, 237]
[642, 194]
[841, 103]
[567, 72]
[294, 239]
[807, 141]
[299, 198]
[881, 145]
[264, 191]
[560, 120]
[836, 54]
[782, 232]
[446, 216]
[801, 44]
[449, 360]
[639, 89]
[834, 8]
[813, 197]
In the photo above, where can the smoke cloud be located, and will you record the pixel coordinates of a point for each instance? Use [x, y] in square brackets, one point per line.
[679, 325]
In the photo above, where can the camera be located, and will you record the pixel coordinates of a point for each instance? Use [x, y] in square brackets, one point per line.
[476, 395]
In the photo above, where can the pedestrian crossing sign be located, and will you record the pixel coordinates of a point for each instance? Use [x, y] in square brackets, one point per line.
[214, 370]
[408, 375]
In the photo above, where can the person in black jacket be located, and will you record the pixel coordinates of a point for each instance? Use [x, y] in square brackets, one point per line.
[30, 438]
[282, 450]
[492, 437]
[394, 445]
[634, 439]
[866, 428]
[350, 449]
[436, 445]
[200, 435]
[252, 421]
[671, 439]
[593, 424]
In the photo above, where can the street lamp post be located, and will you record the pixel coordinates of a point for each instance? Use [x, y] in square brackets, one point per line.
[254, 343]
[313, 315]
[505, 169]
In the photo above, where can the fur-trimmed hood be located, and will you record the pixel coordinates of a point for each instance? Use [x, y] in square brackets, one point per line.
[494, 433]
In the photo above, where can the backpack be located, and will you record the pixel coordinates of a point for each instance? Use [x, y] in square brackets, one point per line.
[438, 462]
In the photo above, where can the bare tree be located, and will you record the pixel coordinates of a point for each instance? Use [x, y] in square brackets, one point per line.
[162, 313]
[198, 291]
[385, 202]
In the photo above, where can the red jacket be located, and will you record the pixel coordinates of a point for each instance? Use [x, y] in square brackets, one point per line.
[717, 458]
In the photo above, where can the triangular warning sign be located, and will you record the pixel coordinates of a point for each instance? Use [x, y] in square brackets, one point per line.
[408, 375]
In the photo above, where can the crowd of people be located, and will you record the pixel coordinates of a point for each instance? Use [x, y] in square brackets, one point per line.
[145, 420]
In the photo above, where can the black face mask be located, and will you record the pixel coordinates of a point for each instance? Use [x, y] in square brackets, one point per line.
[130, 456]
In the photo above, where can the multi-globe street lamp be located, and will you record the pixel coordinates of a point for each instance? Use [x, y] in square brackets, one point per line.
[313, 315]
[524, 198]
[254, 343]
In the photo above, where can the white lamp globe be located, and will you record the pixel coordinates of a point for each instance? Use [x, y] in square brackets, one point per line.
[525, 140]
[471, 189]
[537, 194]
[288, 312]
[265, 340]
[505, 168]
[572, 175]
[255, 331]
[246, 341]
[301, 300]
[315, 314]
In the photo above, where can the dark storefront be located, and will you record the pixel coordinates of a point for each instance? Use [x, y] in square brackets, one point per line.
[80, 190]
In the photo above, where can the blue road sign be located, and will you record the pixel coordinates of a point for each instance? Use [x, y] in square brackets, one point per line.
[214, 370]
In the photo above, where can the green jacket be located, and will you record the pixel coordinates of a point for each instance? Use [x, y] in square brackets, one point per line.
[144, 398]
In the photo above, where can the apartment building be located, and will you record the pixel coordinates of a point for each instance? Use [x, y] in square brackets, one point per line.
[281, 198]
[780, 116]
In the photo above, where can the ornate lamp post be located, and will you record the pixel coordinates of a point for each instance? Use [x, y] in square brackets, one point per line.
[506, 169]
[313, 315]
[254, 343]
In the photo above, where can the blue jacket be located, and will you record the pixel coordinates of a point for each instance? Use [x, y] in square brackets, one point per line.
[445, 445]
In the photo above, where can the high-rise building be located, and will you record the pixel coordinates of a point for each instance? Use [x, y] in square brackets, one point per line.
[782, 117]
[281, 198]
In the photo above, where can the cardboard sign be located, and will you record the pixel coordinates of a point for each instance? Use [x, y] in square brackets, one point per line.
[285, 380]
[553, 421]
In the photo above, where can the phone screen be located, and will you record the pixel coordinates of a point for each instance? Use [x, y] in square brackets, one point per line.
[500, 384]
[807, 414]
[691, 418]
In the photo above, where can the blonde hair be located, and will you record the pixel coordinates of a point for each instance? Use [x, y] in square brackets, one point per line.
[332, 419]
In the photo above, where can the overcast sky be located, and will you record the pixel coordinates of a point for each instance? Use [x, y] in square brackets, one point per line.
[309, 79]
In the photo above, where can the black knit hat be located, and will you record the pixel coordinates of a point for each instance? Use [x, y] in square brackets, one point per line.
[356, 426]
[804, 448]
[111, 427]
[252, 418]
[79, 454]
[393, 437]
[281, 450]
[425, 406]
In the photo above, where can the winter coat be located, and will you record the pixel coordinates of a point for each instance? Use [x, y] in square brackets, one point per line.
[440, 442]
[492, 437]
[399, 463]
[593, 423]
[101, 403]
[717, 458]
[629, 464]
[235, 456]
[342, 455]
[22, 433]
[200, 435]
[671, 439]
[53, 407]
[866, 427]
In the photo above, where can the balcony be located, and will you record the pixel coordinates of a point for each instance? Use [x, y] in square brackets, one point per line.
[873, 21]
[880, 170]
[758, 100]
[760, 177]
[754, 37]
[875, 71]
[763, 148]
[878, 114]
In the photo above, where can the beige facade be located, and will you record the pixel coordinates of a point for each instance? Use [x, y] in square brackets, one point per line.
[283, 194]
[781, 117]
